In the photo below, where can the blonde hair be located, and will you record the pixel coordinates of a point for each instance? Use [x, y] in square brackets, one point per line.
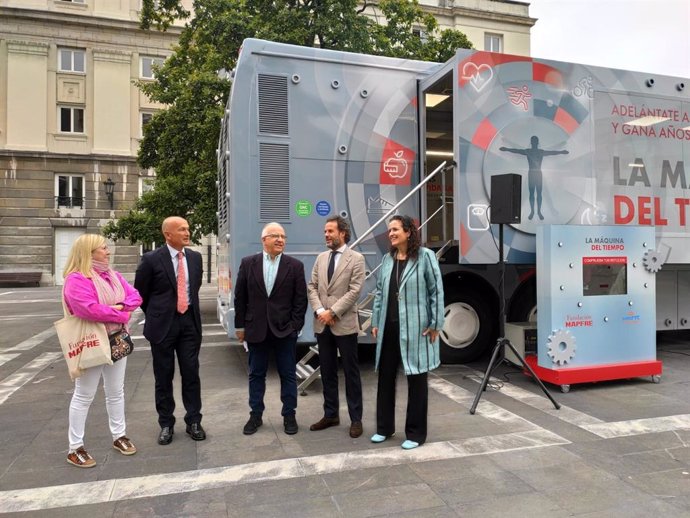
[79, 259]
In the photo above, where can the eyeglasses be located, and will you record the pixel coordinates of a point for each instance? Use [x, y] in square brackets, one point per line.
[104, 247]
[276, 236]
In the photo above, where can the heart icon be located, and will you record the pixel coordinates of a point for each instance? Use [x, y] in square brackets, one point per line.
[478, 76]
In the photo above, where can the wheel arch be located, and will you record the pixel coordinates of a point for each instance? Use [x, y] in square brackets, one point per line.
[523, 300]
[472, 282]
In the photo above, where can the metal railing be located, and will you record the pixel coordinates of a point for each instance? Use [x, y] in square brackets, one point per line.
[309, 374]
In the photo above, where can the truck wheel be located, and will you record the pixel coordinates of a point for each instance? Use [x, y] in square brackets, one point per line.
[469, 329]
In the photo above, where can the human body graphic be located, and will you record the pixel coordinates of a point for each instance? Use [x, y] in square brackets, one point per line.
[534, 176]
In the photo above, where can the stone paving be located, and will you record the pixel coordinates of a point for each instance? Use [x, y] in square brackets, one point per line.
[614, 449]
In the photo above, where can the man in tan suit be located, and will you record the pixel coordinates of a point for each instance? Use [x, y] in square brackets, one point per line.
[336, 283]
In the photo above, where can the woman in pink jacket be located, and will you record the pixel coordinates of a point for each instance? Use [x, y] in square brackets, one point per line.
[94, 291]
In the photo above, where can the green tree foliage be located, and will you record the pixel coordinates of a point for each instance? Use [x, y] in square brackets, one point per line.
[180, 142]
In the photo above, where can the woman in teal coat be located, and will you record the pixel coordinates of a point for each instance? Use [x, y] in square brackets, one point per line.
[406, 320]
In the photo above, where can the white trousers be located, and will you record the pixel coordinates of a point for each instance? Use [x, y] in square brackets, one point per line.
[85, 387]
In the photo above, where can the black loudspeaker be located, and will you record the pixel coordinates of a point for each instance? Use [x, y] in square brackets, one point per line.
[506, 198]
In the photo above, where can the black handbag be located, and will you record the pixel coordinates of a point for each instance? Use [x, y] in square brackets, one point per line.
[121, 344]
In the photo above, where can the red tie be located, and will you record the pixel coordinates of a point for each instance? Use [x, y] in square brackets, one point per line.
[182, 304]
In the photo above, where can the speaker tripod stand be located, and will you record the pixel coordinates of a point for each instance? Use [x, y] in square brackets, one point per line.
[498, 354]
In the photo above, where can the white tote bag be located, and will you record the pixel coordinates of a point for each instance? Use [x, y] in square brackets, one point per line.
[84, 343]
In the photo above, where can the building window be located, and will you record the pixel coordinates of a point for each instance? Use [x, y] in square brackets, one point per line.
[156, 4]
[71, 120]
[420, 34]
[493, 42]
[72, 60]
[69, 191]
[146, 184]
[147, 64]
[144, 119]
[147, 247]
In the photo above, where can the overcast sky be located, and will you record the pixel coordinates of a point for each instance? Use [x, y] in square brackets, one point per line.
[645, 35]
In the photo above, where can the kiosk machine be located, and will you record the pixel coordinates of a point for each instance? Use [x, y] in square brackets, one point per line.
[597, 304]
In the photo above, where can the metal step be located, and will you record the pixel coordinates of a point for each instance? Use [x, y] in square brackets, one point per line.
[304, 371]
[310, 374]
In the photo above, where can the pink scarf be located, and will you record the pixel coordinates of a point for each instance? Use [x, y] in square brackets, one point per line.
[109, 289]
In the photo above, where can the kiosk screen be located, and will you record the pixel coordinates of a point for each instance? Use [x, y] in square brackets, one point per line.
[604, 276]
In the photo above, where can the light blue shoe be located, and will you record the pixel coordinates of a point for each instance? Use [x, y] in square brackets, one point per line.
[377, 437]
[408, 445]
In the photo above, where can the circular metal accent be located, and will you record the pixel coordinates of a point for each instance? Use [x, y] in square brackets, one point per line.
[342, 149]
[461, 325]
[296, 78]
[335, 84]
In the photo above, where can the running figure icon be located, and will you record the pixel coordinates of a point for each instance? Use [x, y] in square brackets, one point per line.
[534, 176]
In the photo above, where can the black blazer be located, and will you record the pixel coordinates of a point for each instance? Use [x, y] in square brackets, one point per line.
[283, 311]
[156, 282]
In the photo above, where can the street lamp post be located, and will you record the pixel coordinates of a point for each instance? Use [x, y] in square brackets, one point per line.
[109, 188]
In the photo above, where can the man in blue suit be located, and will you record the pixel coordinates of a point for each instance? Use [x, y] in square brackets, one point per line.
[169, 279]
[270, 304]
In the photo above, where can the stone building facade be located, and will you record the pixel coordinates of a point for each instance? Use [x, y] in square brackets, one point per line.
[71, 117]
[70, 125]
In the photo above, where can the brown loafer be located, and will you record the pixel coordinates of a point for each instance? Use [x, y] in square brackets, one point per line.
[355, 429]
[325, 422]
[81, 458]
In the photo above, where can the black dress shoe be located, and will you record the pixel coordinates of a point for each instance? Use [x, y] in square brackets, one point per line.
[290, 424]
[196, 432]
[252, 425]
[166, 435]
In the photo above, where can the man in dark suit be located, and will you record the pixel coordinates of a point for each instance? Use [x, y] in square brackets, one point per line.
[169, 279]
[336, 282]
[270, 303]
